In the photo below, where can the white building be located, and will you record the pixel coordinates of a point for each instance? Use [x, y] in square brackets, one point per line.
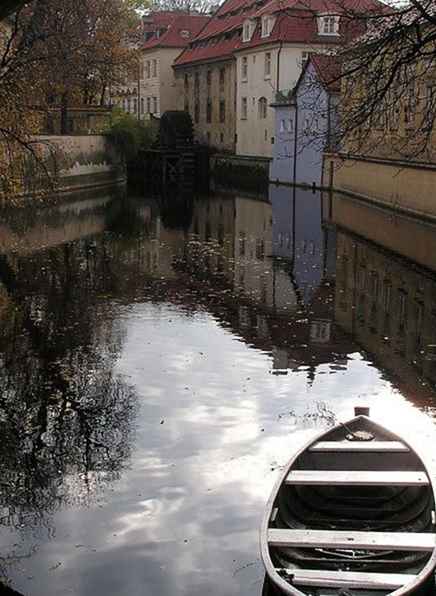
[152, 90]
[274, 47]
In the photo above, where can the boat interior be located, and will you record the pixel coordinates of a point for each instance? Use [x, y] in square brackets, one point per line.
[368, 503]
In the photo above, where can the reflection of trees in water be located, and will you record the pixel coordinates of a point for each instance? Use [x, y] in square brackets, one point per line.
[65, 418]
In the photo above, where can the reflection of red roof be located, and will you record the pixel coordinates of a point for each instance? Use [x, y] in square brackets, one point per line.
[180, 29]
[295, 23]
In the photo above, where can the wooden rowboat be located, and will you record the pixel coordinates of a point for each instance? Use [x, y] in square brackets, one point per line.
[352, 515]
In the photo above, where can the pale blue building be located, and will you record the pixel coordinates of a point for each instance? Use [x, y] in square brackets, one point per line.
[306, 123]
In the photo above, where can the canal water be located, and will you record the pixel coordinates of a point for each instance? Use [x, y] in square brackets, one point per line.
[159, 367]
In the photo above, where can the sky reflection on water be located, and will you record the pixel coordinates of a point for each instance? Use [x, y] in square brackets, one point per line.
[155, 378]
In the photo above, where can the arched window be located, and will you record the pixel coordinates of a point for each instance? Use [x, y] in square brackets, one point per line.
[262, 107]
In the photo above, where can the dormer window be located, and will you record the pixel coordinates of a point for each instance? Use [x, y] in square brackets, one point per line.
[328, 24]
[248, 29]
[267, 26]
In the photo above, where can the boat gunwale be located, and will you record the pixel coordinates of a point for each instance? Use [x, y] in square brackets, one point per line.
[271, 572]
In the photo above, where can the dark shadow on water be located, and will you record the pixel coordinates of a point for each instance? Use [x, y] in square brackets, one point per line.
[7, 591]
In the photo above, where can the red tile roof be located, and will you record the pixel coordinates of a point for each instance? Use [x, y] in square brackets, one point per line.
[174, 23]
[295, 23]
[221, 50]
[328, 69]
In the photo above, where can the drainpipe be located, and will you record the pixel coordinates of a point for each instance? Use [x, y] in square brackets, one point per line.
[294, 188]
[278, 68]
[294, 173]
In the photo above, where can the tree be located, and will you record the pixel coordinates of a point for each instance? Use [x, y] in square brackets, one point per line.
[389, 86]
[387, 75]
[88, 54]
[188, 6]
[9, 6]
[56, 53]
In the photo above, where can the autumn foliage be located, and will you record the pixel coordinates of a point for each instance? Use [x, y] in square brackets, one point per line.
[56, 54]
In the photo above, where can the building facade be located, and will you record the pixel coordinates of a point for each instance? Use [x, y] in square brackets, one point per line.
[207, 92]
[150, 90]
[275, 45]
[306, 123]
[263, 46]
[206, 78]
[389, 156]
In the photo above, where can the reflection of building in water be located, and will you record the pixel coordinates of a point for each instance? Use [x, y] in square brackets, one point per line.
[213, 225]
[300, 237]
[253, 265]
[263, 299]
[387, 303]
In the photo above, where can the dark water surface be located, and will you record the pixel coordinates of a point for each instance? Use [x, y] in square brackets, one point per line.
[158, 368]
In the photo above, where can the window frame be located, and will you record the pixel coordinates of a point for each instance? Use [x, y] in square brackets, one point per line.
[328, 25]
[267, 62]
[265, 26]
[244, 108]
[262, 107]
[244, 69]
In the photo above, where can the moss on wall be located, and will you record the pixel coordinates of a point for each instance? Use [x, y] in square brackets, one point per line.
[244, 175]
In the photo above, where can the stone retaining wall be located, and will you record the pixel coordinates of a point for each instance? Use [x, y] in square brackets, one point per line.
[403, 186]
[75, 163]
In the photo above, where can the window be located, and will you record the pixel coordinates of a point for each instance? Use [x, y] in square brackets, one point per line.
[208, 138]
[135, 105]
[155, 68]
[387, 291]
[197, 83]
[328, 25]
[260, 249]
[222, 137]
[142, 105]
[222, 110]
[242, 244]
[267, 23]
[124, 104]
[209, 80]
[186, 83]
[430, 103]
[209, 111]
[197, 112]
[262, 108]
[267, 65]
[243, 108]
[244, 68]
[222, 78]
[128, 105]
[402, 303]
[147, 69]
[148, 105]
[154, 105]
[248, 29]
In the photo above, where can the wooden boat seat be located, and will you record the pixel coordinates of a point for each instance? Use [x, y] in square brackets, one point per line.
[401, 541]
[356, 478]
[360, 446]
[347, 579]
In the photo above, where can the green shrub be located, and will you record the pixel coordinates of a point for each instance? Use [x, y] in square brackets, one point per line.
[129, 134]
